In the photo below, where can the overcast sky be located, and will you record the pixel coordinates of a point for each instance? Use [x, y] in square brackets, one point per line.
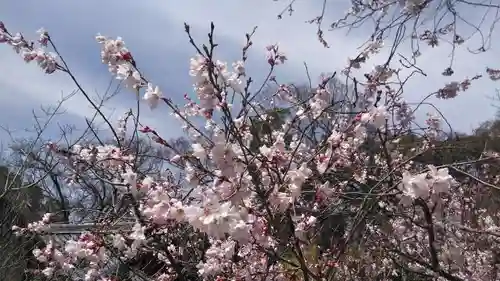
[154, 32]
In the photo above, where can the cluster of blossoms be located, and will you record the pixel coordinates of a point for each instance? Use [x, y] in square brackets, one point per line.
[88, 249]
[274, 55]
[425, 185]
[413, 6]
[494, 74]
[121, 64]
[38, 226]
[46, 60]
[372, 48]
[211, 81]
[452, 89]
[256, 203]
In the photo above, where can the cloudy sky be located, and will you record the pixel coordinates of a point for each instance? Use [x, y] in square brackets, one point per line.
[153, 31]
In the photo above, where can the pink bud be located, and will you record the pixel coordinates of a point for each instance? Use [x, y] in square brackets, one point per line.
[145, 130]
[126, 56]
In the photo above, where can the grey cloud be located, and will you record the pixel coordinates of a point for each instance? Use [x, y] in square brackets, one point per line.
[154, 32]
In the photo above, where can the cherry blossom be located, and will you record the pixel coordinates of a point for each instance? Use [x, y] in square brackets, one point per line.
[256, 192]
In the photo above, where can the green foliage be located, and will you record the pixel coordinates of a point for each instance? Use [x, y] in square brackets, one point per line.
[311, 256]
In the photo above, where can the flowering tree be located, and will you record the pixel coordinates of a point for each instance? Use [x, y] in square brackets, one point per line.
[264, 183]
[454, 25]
